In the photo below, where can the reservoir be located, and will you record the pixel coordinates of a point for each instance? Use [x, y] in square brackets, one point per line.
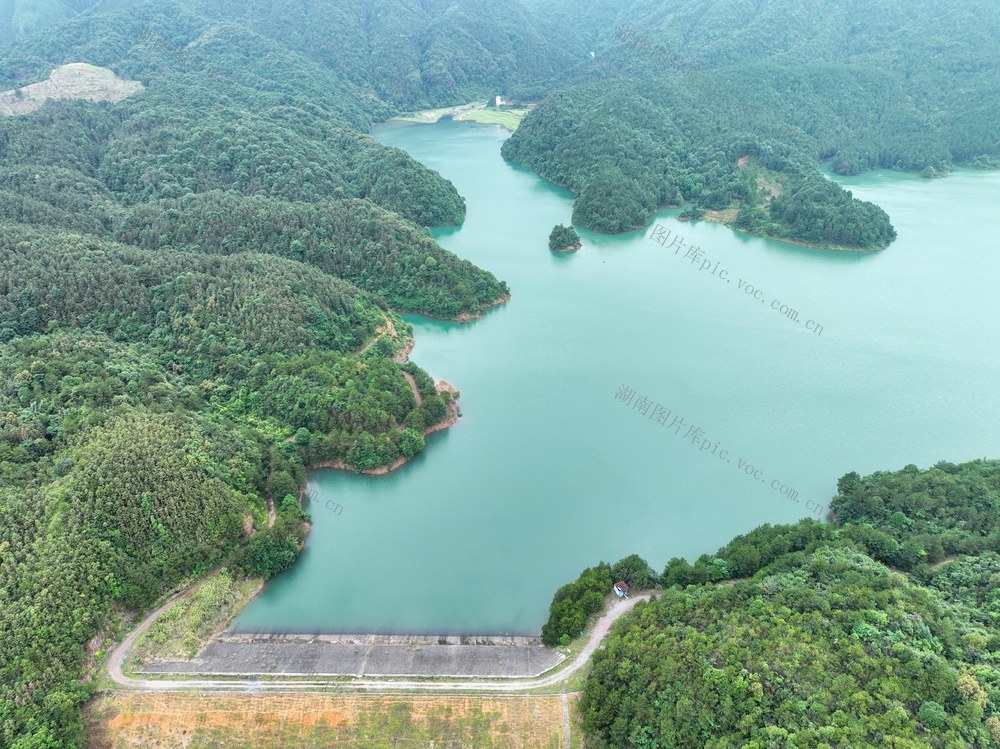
[631, 399]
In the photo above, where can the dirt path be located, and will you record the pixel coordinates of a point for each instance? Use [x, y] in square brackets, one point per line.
[594, 639]
[413, 387]
[388, 327]
[565, 712]
[942, 563]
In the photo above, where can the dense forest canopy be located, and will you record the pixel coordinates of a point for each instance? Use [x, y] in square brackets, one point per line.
[196, 288]
[197, 295]
[688, 103]
[408, 54]
[879, 628]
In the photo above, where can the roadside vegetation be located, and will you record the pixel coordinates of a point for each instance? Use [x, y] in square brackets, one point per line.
[181, 631]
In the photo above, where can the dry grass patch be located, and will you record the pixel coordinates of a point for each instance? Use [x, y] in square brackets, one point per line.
[122, 720]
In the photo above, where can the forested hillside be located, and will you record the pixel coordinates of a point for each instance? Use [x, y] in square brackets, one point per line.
[680, 102]
[196, 288]
[434, 53]
[408, 54]
[879, 628]
[147, 397]
[351, 239]
[628, 149]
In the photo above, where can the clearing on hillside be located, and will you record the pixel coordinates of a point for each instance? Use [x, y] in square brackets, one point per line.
[121, 720]
[77, 80]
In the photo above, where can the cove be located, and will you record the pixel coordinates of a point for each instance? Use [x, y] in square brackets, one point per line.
[550, 469]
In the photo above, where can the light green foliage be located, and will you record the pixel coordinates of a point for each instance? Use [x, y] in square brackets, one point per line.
[817, 641]
[180, 631]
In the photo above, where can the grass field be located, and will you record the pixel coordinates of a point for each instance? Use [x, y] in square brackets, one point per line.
[508, 118]
[122, 720]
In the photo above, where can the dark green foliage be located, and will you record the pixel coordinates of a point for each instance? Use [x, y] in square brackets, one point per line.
[417, 54]
[949, 509]
[628, 149]
[51, 196]
[224, 109]
[635, 572]
[563, 238]
[292, 154]
[273, 550]
[575, 602]
[188, 303]
[351, 239]
[268, 553]
[410, 442]
[817, 211]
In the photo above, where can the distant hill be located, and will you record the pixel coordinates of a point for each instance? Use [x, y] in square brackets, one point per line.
[677, 94]
[21, 18]
[430, 53]
[411, 54]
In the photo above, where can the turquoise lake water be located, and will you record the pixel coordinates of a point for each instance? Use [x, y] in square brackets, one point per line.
[552, 469]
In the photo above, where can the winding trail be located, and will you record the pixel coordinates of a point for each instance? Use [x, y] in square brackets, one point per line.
[594, 639]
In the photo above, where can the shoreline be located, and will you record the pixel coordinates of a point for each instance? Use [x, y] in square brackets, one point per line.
[721, 219]
[463, 317]
[338, 465]
[507, 117]
[449, 421]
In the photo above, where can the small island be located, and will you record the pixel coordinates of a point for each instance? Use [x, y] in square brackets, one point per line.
[564, 239]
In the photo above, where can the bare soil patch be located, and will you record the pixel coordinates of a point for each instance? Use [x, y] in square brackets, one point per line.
[77, 80]
[118, 720]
